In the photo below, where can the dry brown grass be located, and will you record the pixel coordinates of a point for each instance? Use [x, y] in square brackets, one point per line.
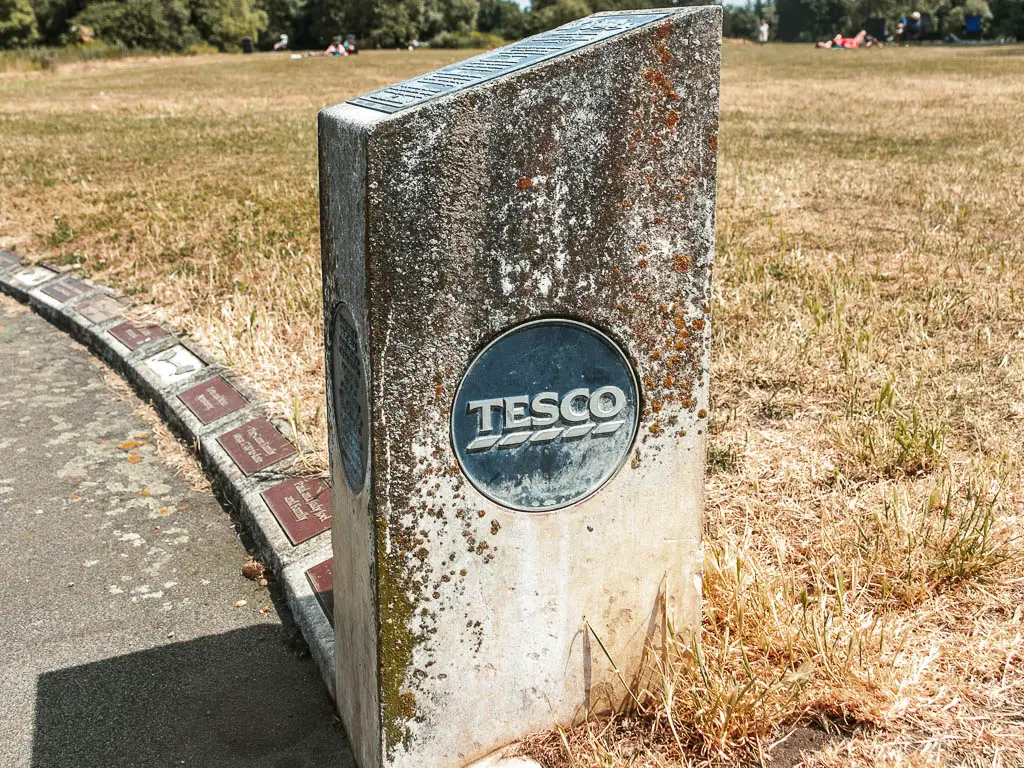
[863, 583]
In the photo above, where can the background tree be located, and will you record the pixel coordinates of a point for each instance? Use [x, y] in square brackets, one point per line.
[17, 23]
[283, 17]
[225, 22]
[322, 20]
[740, 22]
[54, 18]
[159, 25]
[501, 17]
[555, 13]
[1008, 18]
[806, 20]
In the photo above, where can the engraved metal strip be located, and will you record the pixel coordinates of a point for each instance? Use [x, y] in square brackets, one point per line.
[503, 61]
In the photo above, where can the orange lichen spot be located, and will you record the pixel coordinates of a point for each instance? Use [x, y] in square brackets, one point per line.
[655, 355]
[682, 262]
[642, 263]
[669, 381]
[655, 428]
[134, 458]
[525, 182]
[713, 142]
[701, 413]
[672, 119]
[143, 492]
[655, 405]
[74, 496]
[699, 324]
[163, 511]
[679, 197]
[127, 445]
[438, 390]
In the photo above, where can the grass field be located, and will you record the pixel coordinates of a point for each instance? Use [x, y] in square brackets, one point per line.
[864, 586]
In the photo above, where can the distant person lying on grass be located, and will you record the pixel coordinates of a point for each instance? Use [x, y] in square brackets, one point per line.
[336, 49]
[861, 40]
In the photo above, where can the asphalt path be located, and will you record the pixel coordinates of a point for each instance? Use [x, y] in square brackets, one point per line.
[128, 636]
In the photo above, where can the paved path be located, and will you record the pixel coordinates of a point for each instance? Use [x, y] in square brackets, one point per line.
[120, 644]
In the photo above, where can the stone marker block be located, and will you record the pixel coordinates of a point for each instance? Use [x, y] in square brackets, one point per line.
[8, 259]
[321, 579]
[30, 277]
[173, 365]
[302, 505]
[212, 400]
[256, 445]
[63, 291]
[517, 282]
[134, 336]
[101, 309]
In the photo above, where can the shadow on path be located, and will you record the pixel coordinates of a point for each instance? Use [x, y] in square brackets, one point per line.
[222, 700]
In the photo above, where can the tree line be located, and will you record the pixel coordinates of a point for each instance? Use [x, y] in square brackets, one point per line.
[176, 25]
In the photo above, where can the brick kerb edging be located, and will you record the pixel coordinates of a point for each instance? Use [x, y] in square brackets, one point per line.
[240, 490]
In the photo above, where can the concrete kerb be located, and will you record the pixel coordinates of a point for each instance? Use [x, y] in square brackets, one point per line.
[161, 387]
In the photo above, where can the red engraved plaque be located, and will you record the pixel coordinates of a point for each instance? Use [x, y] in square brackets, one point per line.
[255, 445]
[8, 259]
[134, 336]
[302, 505]
[65, 290]
[321, 578]
[212, 400]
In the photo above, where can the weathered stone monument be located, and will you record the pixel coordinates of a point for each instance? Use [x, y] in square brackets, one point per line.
[517, 276]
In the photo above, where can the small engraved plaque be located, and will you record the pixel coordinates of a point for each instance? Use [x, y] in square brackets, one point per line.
[321, 579]
[302, 505]
[256, 445]
[545, 415]
[502, 61]
[32, 276]
[64, 291]
[212, 400]
[100, 310]
[134, 336]
[350, 408]
[174, 365]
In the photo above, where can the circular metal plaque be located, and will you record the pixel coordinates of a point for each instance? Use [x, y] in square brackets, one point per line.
[545, 415]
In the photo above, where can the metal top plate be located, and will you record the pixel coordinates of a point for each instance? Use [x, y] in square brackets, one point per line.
[512, 58]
